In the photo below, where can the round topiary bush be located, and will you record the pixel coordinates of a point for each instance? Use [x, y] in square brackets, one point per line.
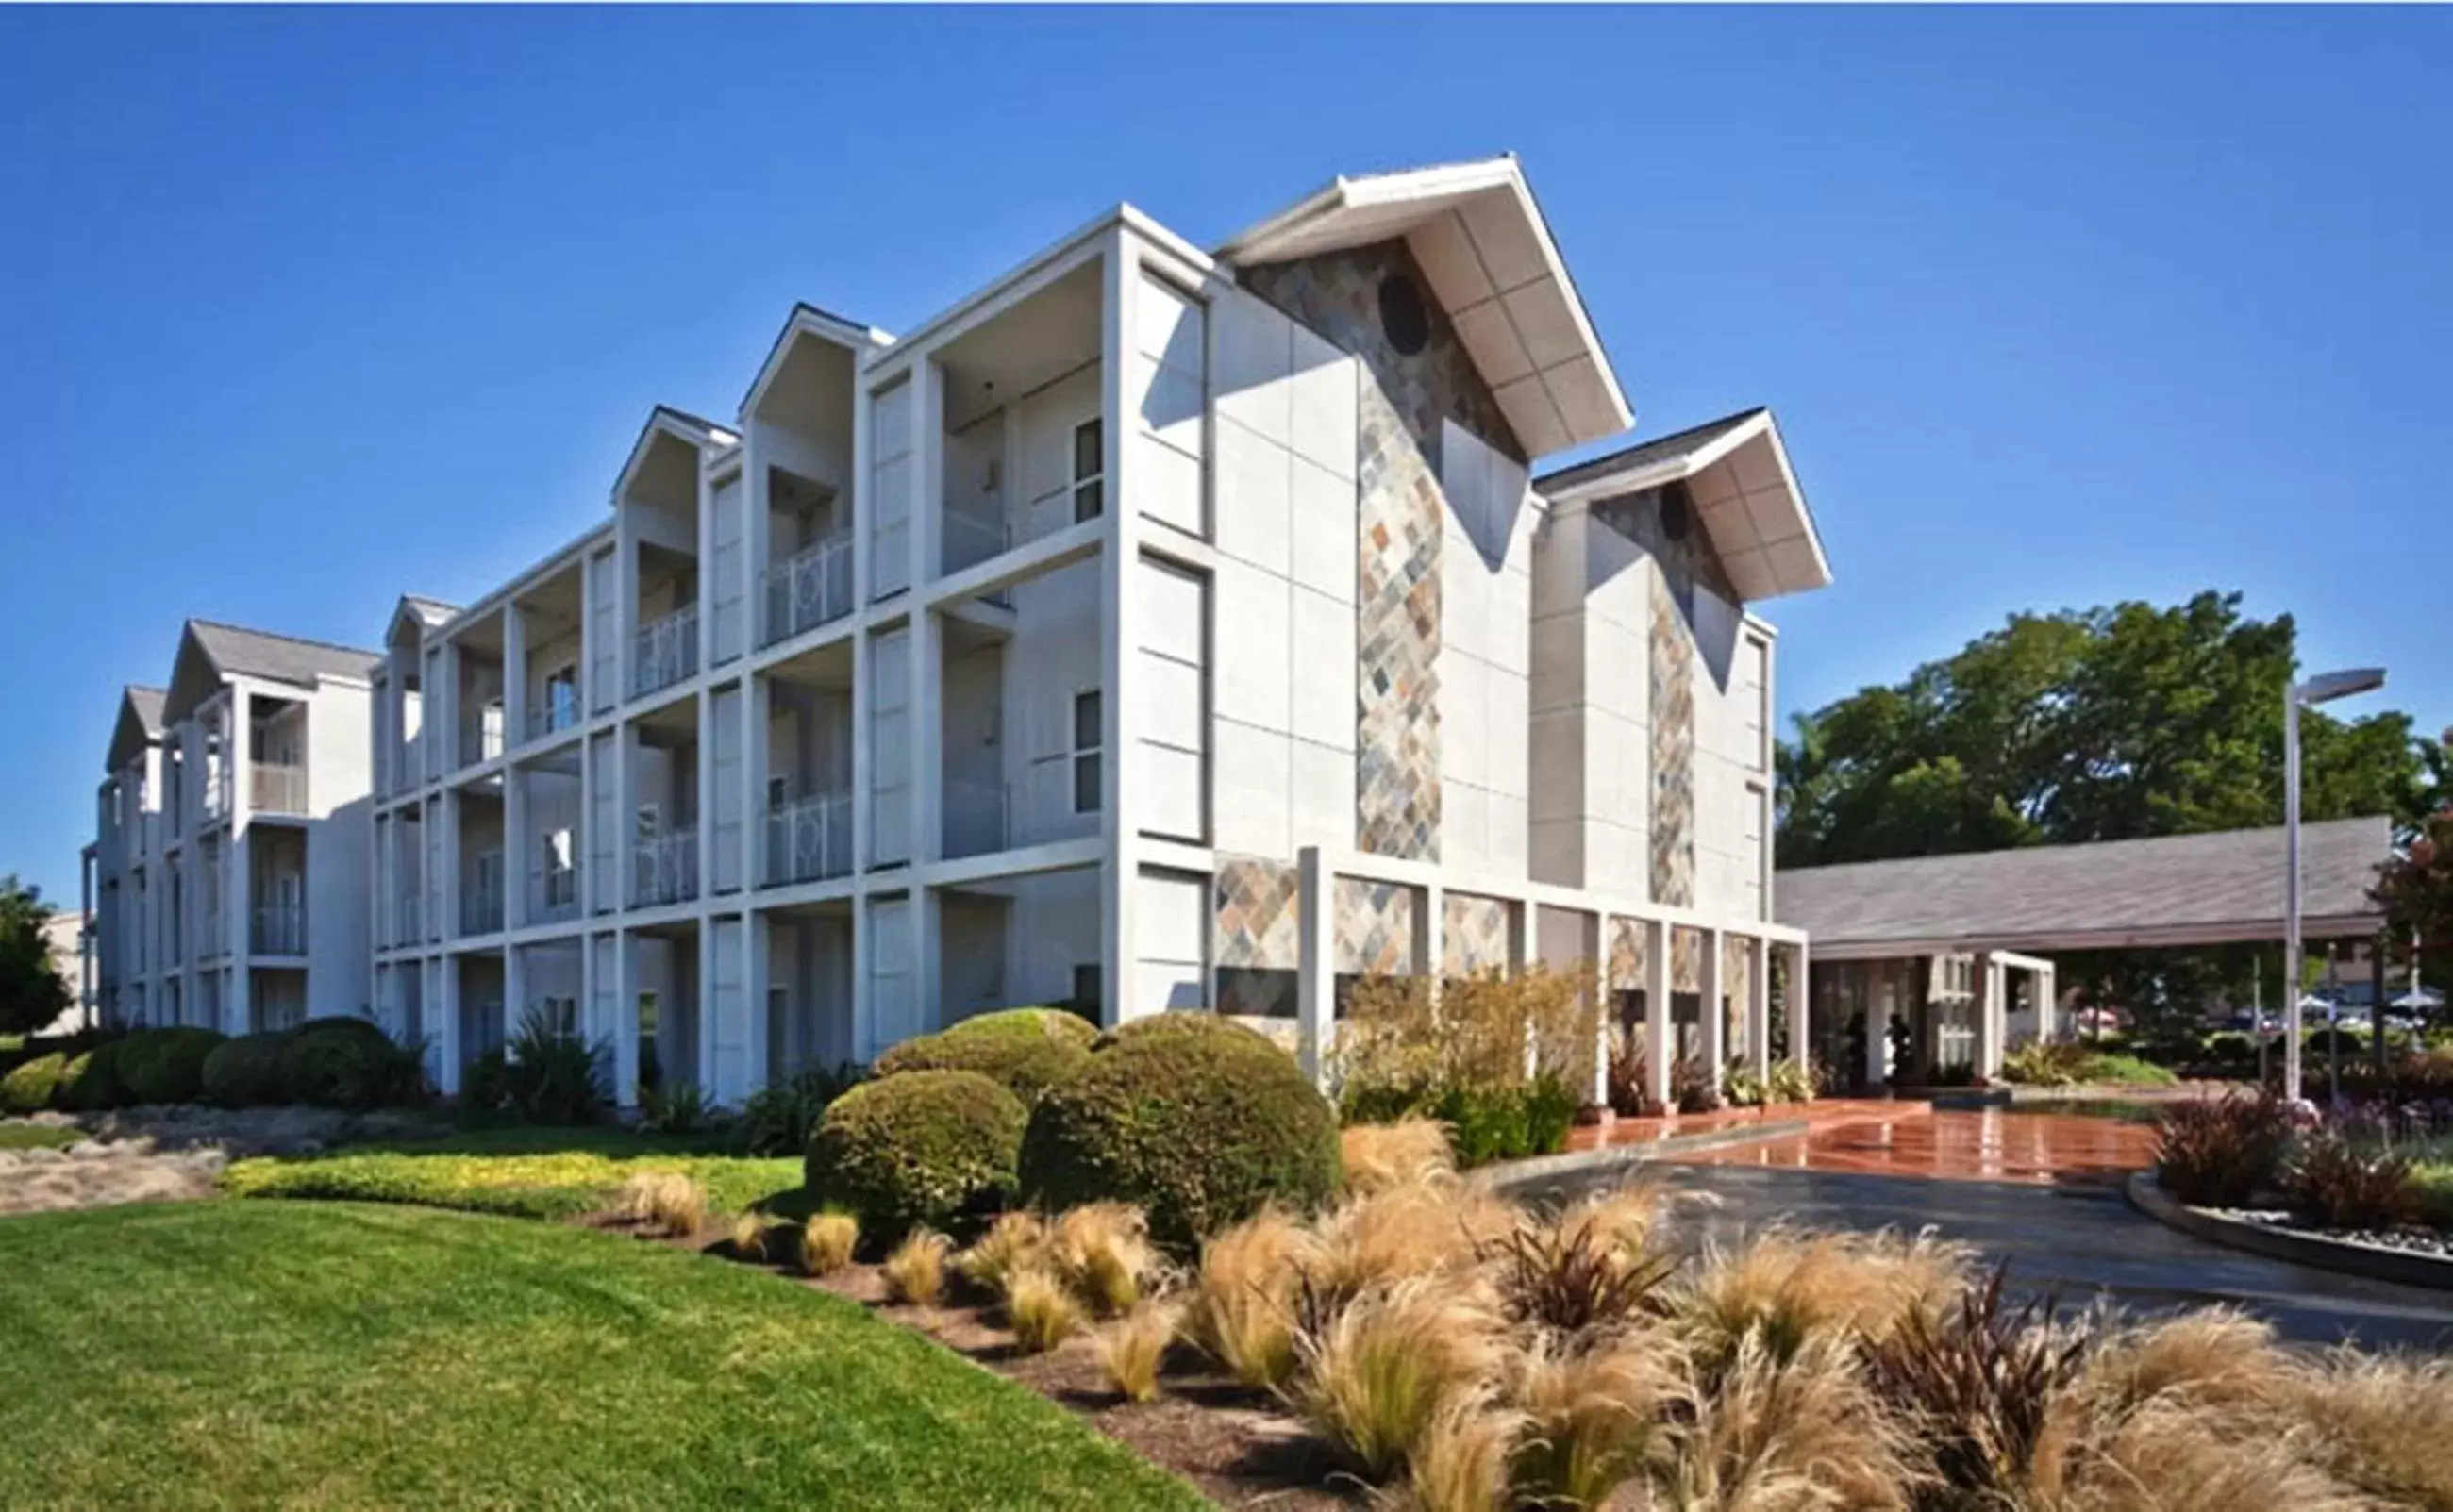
[343, 1063]
[921, 1148]
[31, 1087]
[246, 1073]
[1198, 1120]
[1028, 1050]
[90, 1082]
[165, 1065]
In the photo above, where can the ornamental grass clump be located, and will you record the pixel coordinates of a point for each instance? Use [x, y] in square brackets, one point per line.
[915, 1272]
[827, 1240]
[2335, 1183]
[1800, 1434]
[1569, 1284]
[1132, 1348]
[1461, 1461]
[1372, 1373]
[1016, 1239]
[1041, 1309]
[1418, 1229]
[1595, 1417]
[1240, 1308]
[664, 1202]
[749, 1238]
[1103, 1251]
[1785, 1289]
[2382, 1423]
[2221, 1153]
[1379, 1156]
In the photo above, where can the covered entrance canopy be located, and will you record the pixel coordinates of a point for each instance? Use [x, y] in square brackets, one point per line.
[1905, 919]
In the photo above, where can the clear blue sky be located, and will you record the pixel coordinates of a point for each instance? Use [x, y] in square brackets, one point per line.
[301, 309]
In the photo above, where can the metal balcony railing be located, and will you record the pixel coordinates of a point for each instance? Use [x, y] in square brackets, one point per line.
[280, 930]
[975, 817]
[275, 788]
[558, 710]
[970, 539]
[665, 869]
[483, 740]
[554, 898]
[664, 651]
[407, 920]
[214, 943]
[809, 838]
[811, 589]
[481, 906]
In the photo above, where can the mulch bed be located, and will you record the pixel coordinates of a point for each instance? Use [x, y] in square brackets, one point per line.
[1234, 1444]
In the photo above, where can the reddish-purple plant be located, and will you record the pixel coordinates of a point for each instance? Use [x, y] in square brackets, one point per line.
[2221, 1153]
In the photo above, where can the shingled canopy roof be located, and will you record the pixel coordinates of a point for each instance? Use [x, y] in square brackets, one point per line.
[2216, 888]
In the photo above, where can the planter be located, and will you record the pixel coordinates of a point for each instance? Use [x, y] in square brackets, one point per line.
[2300, 1247]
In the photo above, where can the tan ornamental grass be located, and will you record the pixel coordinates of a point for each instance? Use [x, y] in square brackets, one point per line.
[1379, 1156]
[664, 1202]
[1594, 1419]
[1787, 1288]
[2383, 1422]
[1103, 1251]
[1800, 1434]
[749, 1238]
[827, 1240]
[1041, 1308]
[1131, 1349]
[2215, 1359]
[2169, 1455]
[1240, 1307]
[915, 1272]
[1015, 1240]
[1371, 1374]
[1421, 1228]
[1460, 1462]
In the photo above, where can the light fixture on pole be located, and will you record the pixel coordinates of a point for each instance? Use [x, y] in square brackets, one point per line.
[2323, 688]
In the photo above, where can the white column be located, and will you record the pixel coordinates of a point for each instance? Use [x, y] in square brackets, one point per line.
[515, 988]
[446, 1035]
[703, 828]
[755, 714]
[1597, 938]
[2047, 1002]
[1715, 1037]
[516, 849]
[1759, 1008]
[928, 715]
[1985, 976]
[756, 958]
[1119, 869]
[515, 673]
[1657, 1032]
[626, 1017]
[238, 894]
[1878, 992]
[863, 1004]
[1800, 1008]
[863, 759]
[1316, 967]
[626, 600]
[927, 956]
[1432, 936]
[450, 862]
[704, 1016]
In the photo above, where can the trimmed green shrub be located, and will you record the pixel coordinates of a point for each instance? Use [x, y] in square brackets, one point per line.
[90, 1082]
[925, 1147]
[1028, 1050]
[485, 1081]
[346, 1063]
[1196, 1119]
[31, 1087]
[165, 1065]
[245, 1072]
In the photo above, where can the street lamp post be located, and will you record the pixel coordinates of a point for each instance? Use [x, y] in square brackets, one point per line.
[2324, 687]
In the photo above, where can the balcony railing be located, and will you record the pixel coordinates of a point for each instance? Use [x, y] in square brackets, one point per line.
[664, 651]
[482, 740]
[214, 943]
[554, 898]
[559, 710]
[809, 838]
[975, 819]
[811, 589]
[407, 920]
[280, 930]
[665, 869]
[276, 788]
[970, 539]
[216, 795]
[481, 905]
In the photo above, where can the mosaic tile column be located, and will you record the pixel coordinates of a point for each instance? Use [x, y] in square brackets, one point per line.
[1474, 935]
[1671, 644]
[1255, 946]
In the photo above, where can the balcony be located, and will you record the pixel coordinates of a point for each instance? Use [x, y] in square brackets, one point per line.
[664, 652]
[976, 819]
[811, 589]
[558, 711]
[555, 897]
[408, 918]
[481, 904]
[275, 788]
[280, 930]
[809, 838]
[482, 740]
[665, 869]
[214, 942]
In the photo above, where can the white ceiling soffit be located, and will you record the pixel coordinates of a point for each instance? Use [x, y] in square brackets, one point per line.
[1483, 244]
[1739, 476]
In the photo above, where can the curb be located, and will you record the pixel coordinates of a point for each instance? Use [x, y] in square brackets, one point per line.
[2349, 1257]
[1510, 1174]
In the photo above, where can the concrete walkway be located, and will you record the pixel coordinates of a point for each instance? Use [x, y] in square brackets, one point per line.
[2080, 1239]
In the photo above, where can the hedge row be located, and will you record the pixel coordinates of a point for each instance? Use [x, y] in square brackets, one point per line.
[1194, 1118]
[330, 1062]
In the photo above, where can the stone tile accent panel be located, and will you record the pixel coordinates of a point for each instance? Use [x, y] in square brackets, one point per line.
[1473, 934]
[1403, 399]
[1375, 927]
[1737, 985]
[1629, 950]
[1685, 959]
[1257, 945]
[1671, 646]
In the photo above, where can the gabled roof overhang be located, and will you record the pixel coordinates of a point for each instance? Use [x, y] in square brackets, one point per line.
[807, 322]
[139, 725]
[666, 423]
[1736, 471]
[1481, 240]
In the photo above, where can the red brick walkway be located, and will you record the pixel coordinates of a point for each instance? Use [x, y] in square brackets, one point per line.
[1994, 1145]
[1827, 1113]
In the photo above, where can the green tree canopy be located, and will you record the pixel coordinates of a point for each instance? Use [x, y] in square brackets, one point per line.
[33, 993]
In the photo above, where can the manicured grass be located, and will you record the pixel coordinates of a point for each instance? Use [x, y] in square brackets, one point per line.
[37, 1137]
[263, 1354]
[2113, 1068]
[525, 1172]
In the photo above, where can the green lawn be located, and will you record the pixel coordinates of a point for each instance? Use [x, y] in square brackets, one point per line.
[525, 1172]
[264, 1354]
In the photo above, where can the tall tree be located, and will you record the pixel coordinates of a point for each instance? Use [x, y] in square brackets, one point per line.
[2415, 890]
[33, 993]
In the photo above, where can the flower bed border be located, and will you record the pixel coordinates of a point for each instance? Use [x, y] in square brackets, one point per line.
[1506, 1176]
[2298, 1246]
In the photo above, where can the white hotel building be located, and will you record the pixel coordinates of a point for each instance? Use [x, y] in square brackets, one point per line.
[1153, 629]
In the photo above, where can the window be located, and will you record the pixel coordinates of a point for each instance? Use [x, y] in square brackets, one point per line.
[1089, 720]
[1089, 468]
[562, 697]
[1090, 990]
[560, 870]
[779, 791]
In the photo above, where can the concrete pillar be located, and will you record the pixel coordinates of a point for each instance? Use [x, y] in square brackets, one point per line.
[515, 988]
[447, 1037]
[928, 957]
[238, 895]
[1657, 1032]
[1983, 975]
[1316, 969]
[702, 830]
[1801, 1009]
[1118, 637]
[517, 852]
[756, 962]
[1432, 936]
[1881, 994]
[515, 675]
[1759, 1006]
[1715, 1051]
[755, 715]
[626, 1017]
